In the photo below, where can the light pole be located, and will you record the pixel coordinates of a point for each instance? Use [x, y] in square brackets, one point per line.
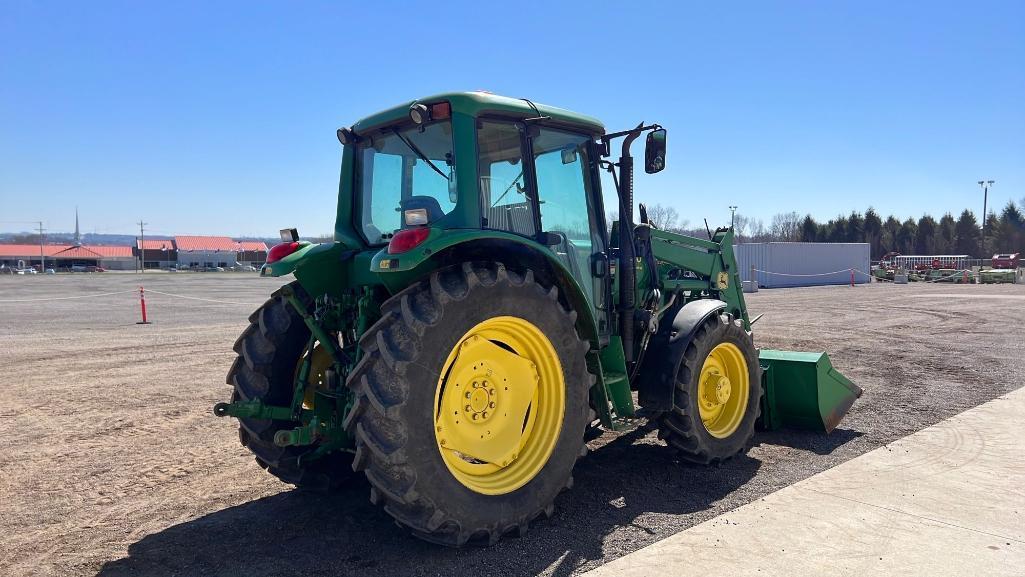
[985, 184]
[733, 212]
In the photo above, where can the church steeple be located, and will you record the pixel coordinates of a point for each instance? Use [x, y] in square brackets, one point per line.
[78, 236]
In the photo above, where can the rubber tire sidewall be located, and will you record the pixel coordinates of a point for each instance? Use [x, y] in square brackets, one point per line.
[723, 329]
[434, 482]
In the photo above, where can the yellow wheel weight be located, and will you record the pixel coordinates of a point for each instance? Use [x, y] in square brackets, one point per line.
[499, 404]
[724, 387]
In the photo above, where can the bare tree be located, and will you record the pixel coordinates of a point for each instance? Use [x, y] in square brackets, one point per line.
[680, 227]
[740, 226]
[611, 216]
[786, 227]
[758, 231]
[662, 217]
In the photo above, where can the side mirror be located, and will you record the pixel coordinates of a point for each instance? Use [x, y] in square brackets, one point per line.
[569, 155]
[655, 151]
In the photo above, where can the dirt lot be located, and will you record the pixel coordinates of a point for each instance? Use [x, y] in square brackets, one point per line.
[113, 463]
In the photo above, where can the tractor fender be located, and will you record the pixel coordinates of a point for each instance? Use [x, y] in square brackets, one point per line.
[449, 248]
[657, 379]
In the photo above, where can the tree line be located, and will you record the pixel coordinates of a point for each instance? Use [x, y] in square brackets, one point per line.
[1005, 231]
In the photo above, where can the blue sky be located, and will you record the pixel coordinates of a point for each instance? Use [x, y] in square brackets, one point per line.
[219, 117]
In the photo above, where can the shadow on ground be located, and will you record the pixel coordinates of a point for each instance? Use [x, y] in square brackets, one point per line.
[813, 441]
[342, 534]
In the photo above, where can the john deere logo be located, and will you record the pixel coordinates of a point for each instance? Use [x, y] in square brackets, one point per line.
[724, 280]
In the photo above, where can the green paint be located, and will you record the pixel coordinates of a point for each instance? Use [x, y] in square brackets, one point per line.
[803, 390]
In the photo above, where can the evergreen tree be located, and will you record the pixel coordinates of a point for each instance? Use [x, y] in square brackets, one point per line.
[967, 234]
[855, 227]
[838, 230]
[809, 230]
[874, 232]
[925, 236]
[906, 237]
[946, 235]
[1012, 229]
[891, 229]
[993, 239]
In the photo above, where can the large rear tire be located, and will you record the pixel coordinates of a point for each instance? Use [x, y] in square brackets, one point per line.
[718, 394]
[269, 351]
[471, 404]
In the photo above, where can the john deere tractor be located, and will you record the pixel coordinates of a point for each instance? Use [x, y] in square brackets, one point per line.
[476, 317]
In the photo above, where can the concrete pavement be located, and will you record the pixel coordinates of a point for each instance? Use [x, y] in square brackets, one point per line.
[947, 500]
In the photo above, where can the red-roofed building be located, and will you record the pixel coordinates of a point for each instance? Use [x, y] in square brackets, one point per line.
[157, 253]
[205, 243]
[252, 252]
[206, 251]
[67, 257]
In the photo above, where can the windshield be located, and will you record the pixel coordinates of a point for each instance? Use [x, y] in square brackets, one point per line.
[397, 165]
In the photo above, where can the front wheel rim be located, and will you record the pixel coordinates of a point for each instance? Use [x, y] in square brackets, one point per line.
[499, 405]
[724, 387]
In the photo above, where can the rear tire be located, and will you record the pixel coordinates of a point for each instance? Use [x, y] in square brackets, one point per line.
[397, 383]
[268, 352]
[683, 428]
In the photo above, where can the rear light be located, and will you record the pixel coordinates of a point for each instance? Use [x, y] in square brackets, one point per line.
[441, 111]
[280, 251]
[408, 239]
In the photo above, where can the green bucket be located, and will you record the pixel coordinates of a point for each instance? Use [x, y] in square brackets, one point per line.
[803, 391]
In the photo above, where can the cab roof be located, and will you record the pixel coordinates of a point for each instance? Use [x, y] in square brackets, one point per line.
[482, 103]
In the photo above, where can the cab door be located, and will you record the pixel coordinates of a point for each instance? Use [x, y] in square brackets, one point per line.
[569, 202]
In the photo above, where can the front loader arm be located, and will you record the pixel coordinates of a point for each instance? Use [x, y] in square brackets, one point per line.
[711, 263]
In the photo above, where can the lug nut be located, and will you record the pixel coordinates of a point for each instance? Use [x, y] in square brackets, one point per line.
[475, 416]
[468, 408]
[491, 404]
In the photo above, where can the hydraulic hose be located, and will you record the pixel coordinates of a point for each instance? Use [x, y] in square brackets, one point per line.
[627, 271]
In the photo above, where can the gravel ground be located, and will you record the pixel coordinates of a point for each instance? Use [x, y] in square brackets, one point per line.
[114, 464]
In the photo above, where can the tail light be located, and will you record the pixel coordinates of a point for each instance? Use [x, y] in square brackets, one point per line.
[407, 239]
[280, 251]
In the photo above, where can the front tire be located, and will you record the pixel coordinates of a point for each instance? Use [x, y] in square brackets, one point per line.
[718, 394]
[456, 440]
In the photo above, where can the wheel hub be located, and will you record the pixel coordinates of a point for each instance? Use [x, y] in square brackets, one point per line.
[473, 421]
[717, 388]
[500, 402]
[482, 400]
[723, 390]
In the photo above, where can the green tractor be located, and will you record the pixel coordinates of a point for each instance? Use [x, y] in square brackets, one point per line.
[475, 320]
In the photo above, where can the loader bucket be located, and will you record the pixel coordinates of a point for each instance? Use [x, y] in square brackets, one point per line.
[803, 390]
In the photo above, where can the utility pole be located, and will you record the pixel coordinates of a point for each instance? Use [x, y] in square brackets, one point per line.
[733, 213]
[142, 246]
[985, 184]
[42, 255]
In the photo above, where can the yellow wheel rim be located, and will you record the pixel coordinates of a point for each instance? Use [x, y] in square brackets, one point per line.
[723, 390]
[499, 405]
